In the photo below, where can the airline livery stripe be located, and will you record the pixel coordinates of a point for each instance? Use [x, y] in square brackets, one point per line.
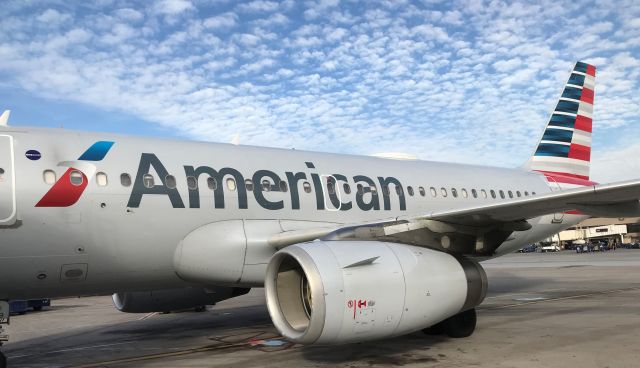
[97, 151]
[587, 95]
[562, 177]
[583, 123]
[581, 137]
[580, 152]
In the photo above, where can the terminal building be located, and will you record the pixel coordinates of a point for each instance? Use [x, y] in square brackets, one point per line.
[611, 230]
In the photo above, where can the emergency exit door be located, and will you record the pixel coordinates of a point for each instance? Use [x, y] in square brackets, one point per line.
[7, 182]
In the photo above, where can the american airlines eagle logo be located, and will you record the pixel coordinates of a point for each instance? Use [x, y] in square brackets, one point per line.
[68, 190]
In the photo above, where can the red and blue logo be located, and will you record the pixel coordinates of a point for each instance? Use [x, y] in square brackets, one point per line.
[67, 191]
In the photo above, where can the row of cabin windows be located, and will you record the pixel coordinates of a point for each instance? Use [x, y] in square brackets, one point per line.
[77, 178]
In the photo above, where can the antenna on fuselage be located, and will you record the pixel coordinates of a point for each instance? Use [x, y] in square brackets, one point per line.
[4, 118]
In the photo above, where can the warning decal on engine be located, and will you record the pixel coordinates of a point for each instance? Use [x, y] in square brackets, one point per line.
[359, 305]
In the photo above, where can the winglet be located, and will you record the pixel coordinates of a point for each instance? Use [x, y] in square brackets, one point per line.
[4, 118]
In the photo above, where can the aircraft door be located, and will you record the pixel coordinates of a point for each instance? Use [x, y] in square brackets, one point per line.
[7, 182]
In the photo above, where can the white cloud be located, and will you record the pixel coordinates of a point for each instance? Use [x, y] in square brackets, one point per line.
[471, 83]
[259, 6]
[173, 7]
[53, 17]
[226, 20]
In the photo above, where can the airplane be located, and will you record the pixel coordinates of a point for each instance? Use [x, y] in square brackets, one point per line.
[348, 248]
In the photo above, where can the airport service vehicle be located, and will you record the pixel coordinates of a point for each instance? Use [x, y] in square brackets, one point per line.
[529, 248]
[348, 248]
[550, 248]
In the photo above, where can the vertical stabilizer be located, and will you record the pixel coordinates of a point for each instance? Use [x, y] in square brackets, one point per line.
[565, 147]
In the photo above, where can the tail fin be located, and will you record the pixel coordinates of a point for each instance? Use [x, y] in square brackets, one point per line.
[565, 148]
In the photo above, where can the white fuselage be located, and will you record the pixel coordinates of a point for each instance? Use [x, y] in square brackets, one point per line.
[123, 237]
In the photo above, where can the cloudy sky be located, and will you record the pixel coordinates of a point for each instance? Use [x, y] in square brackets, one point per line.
[465, 81]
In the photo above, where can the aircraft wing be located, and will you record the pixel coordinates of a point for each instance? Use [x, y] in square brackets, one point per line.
[616, 199]
[481, 229]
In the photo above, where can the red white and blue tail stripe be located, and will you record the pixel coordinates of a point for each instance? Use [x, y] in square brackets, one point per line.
[564, 151]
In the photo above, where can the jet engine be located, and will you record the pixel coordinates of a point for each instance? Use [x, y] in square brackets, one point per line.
[331, 292]
[172, 299]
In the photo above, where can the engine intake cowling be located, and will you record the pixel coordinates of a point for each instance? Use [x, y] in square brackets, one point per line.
[347, 291]
[172, 299]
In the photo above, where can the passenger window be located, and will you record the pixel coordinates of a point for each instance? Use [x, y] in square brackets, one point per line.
[533, 193]
[360, 189]
[283, 186]
[526, 194]
[484, 193]
[231, 184]
[49, 177]
[266, 186]
[76, 177]
[518, 194]
[101, 179]
[422, 192]
[399, 190]
[510, 194]
[501, 194]
[331, 188]
[346, 188]
[493, 193]
[248, 184]
[474, 193]
[212, 183]
[192, 183]
[125, 180]
[464, 193]
[454, 192]
[443, 191]
[147, 180]
[307, 187]
[410, 190]
[433, 191]
[170, 181]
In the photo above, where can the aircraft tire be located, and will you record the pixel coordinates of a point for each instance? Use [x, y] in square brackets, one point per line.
[437, 329]
[3, 360]
[461, 325]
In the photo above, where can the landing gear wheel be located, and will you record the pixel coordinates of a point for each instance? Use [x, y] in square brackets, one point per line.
[461, 325]
[3, 361]
[435, 329]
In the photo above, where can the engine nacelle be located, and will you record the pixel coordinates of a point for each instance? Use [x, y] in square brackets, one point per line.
[332, 292]
[172, 299]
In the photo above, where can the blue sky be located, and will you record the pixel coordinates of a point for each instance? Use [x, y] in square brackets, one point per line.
[463, 81]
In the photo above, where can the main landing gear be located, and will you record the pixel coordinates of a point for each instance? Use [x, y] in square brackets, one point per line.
[460, 325]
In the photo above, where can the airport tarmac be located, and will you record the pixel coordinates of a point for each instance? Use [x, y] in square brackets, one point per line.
[542, 310]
